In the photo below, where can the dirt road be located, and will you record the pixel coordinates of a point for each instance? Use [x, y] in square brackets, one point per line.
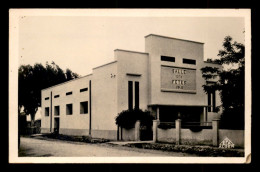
[32, 147]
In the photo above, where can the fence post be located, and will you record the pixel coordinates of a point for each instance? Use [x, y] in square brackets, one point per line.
[215, 132]
[178, 131]
[155, 125]
[137, 130]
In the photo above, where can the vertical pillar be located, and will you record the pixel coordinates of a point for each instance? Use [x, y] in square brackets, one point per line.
[155, 126]
[137, 130]
[178, 131]
[215, 132]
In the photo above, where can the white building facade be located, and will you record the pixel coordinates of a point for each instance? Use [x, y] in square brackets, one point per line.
[165, 79]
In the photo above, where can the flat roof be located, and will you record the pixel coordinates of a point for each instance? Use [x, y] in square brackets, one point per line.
[67, 82]
[131, 51]
[173, 38]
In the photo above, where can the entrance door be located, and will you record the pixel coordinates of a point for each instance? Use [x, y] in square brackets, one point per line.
[56, 125]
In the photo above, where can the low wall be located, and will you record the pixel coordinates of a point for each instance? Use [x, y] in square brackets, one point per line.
[166, 135]
[200, 137]
[128, 134]
[236, 136]
[203, 137]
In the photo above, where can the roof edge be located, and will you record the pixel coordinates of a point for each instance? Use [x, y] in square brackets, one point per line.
[174, 38]
[130, 51]
[66, 82]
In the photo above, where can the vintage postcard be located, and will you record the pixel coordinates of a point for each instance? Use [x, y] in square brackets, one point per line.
[130, 86]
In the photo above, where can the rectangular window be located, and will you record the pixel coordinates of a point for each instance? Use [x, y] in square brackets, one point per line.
[130, 95]
[69, 109]
[189, 61]
[56, 96]
[47, 111]
[83, 89]
[166, 58]
[137, 95]
[209, 102]
[214, 101]
[83, 107]
[57, 110]
[46, 98]
[68, 93]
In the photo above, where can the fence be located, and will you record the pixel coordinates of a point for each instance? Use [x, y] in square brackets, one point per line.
[207, 133]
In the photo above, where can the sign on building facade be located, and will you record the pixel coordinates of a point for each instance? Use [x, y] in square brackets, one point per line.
[178, 79]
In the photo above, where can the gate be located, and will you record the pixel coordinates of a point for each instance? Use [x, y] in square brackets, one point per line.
[146, 131]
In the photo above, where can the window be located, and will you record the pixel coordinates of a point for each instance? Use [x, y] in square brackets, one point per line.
[130, 95]
[68, 93]
[46, 98]
[56, 96]
[83, 107]
[212, 101]
[69, 109]
[166, 58]
[83, 89]
[189, 61]
[209, 102]
[57, 110]
[47, 111]
[137, 95]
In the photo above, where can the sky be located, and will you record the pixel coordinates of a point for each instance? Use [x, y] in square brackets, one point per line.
[81, 43]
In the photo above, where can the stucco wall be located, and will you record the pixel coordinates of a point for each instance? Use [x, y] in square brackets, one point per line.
[106, 134]
[236, 136]
[74, 121]
[104, 97]
[131, 63]
[157, 46]
[168, 135]
[128, 134]
[202, 137]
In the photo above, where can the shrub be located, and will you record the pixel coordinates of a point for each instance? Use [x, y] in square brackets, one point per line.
[166, 126]
[127, 118]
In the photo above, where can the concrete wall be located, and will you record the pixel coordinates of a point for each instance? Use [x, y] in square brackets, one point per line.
[236, 136]
[157, 46]
[168, 135]
[187, 136]
[128, 134]
[106, 134]
[201, 137]
[104, 98]
[131, 63]
[74, 121]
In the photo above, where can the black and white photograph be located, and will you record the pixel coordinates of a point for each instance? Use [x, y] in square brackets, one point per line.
[129, 86]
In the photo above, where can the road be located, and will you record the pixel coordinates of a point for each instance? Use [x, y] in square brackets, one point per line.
[33, 147]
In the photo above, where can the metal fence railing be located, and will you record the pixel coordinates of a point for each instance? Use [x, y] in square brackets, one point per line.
[166, 125]
[201, 125]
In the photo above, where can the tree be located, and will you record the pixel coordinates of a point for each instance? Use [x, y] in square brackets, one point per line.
[230, 83]
[32, 79]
